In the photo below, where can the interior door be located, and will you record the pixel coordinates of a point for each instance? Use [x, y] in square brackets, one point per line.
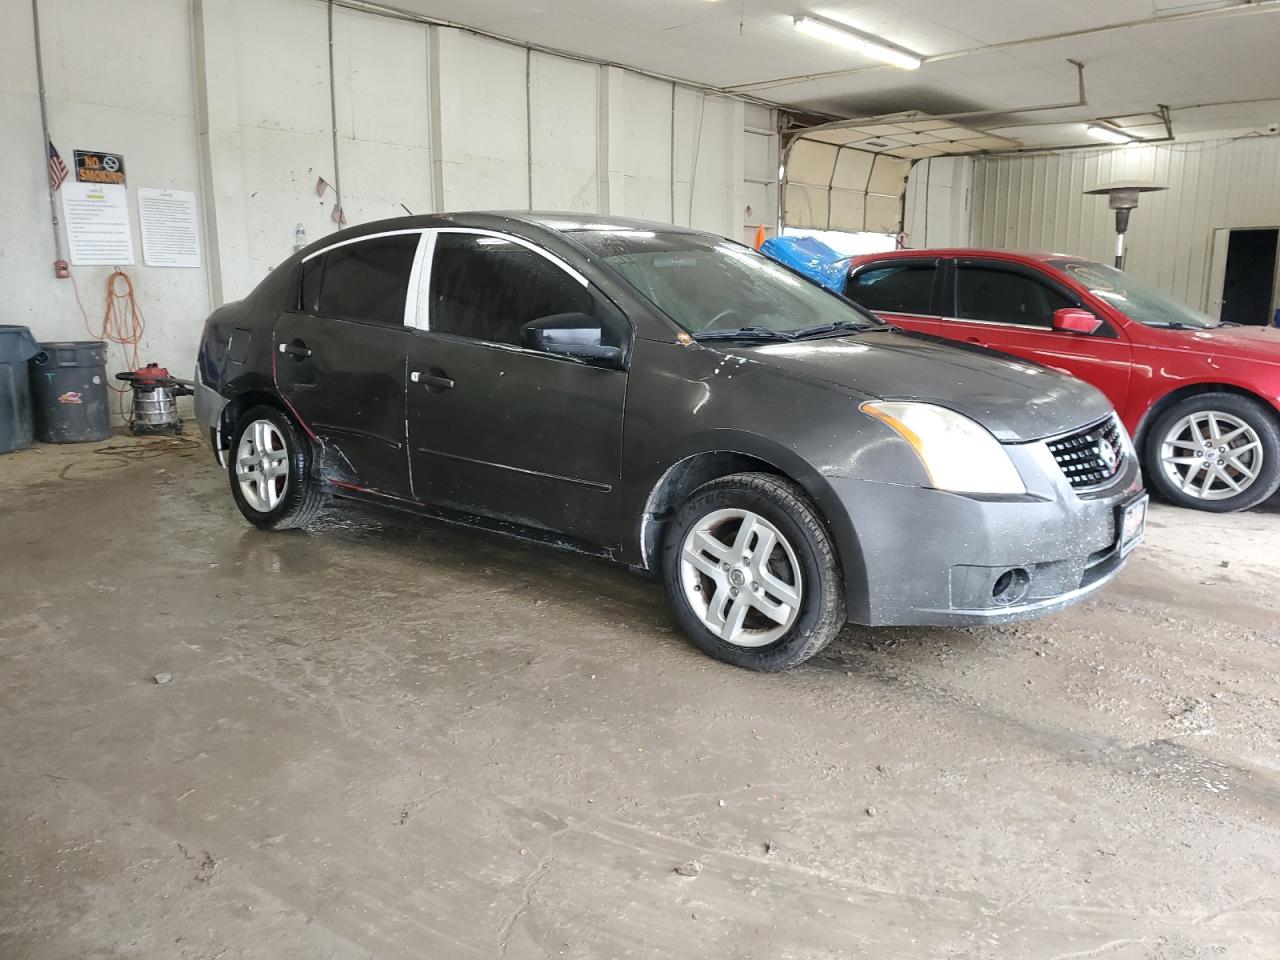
[340, 357]
[1217, 271]
[501, 430]
[1010, 307]
[1249, 283]
[903, 291]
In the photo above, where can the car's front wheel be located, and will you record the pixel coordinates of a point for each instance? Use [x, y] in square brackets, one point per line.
[1214, 451]
[271, 471]
[752, 572]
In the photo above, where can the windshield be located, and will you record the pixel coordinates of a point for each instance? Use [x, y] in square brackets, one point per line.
[1132, 297]
[716, 288]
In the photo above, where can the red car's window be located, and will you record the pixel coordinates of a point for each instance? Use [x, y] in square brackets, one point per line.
[894, 288]
[1132, 297]
[1004, 296]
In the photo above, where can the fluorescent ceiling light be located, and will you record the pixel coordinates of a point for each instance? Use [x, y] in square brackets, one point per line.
[851, 39]
[1109, 134]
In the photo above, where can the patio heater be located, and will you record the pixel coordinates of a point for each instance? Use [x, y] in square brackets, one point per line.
[1122, 197]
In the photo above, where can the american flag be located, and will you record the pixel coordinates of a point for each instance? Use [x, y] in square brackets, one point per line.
[57, 169]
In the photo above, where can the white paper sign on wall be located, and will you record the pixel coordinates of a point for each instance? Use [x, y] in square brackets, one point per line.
[170, 233]
[97, 218]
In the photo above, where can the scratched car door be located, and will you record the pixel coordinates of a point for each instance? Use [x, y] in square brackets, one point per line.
[340, 357]
[499, 429]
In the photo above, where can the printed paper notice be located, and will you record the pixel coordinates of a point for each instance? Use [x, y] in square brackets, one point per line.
[170, 237]
[97, 216]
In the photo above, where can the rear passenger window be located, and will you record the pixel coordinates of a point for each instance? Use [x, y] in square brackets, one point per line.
[367, 280]
[486, 288]
[894, 288]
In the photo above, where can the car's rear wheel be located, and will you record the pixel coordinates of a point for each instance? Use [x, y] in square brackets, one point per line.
[1214, 451]
[272, 471]
[752, 572]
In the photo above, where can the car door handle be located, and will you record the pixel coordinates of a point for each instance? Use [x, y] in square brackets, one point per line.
[435, 380]
[296, 349]
[974, 340]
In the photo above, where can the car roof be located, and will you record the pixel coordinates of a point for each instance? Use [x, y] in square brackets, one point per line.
[558, 222]
[571, 222]
[1024, 255]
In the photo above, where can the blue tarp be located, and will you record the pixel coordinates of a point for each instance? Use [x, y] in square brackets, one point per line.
[811, 257]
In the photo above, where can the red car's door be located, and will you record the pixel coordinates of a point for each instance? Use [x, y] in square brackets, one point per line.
[1008, 306]
[904, 291]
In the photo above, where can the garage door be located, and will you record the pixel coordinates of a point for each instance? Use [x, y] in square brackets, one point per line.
[850, 175]
[831, 187]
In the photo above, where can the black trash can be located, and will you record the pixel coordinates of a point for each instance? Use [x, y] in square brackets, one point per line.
[17, 346]
[69, 387]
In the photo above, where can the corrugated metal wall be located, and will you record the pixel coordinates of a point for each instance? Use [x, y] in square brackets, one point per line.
[1035, 203]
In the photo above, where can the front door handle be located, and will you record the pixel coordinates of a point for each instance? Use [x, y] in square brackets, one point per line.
[296, 349]
[974, 340]
[435, 380]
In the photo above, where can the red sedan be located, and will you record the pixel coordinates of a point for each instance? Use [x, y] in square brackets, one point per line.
[1200, 398]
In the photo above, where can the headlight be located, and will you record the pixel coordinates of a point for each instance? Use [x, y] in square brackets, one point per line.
[958, 454]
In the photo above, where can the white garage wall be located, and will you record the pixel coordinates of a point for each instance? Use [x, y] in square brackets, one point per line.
[231, 99]
[1036, 202]
[759, 171]
[564, 99]
[639, 151]
[141, 105]
[263, 78]
[937, 202]
[282, 115]
[484, 145]
[708, 153]
[384, 142]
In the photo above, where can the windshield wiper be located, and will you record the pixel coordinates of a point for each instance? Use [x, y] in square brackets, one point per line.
[840, 326]
[744, 333]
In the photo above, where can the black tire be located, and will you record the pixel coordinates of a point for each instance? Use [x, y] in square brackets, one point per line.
[822, 608]
[1252, 412]
[303, 495]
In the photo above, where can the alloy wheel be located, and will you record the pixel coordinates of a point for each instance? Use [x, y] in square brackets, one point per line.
[262, 465]
[741, 577]
[1211, 455]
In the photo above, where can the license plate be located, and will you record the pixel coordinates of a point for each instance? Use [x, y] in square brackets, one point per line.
[1133, 524]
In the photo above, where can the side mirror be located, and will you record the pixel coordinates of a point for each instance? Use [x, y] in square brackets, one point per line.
[569, 335]
[1073, 320]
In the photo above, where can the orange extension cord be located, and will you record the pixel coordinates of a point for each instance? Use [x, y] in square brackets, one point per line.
[122, 324]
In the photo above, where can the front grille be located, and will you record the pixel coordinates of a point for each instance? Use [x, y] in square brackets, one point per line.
[1091, 456]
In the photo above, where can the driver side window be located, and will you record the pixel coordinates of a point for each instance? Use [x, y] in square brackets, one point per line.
[998, 295]
[487, 288]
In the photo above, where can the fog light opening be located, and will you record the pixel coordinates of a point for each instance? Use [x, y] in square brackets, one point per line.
[1011, 586]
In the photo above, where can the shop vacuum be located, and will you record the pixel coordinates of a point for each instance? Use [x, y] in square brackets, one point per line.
[155, 400]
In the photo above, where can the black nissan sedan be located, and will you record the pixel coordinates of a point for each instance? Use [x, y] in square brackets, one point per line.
[668, 399]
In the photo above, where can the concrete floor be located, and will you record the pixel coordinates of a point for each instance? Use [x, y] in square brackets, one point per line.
[389, 738]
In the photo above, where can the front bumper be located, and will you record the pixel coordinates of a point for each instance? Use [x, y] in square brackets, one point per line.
[937, 558]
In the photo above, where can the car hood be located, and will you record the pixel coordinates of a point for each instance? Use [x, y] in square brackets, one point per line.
[1014, 399]
[1246, 343]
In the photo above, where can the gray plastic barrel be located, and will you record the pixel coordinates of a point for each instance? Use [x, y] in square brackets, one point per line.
[17, 346]
[69, 387]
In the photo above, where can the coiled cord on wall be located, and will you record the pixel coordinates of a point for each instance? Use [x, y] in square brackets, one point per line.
[122, 320]
[122, 324]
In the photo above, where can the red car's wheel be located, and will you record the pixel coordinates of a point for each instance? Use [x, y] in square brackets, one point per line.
[1214, 451]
